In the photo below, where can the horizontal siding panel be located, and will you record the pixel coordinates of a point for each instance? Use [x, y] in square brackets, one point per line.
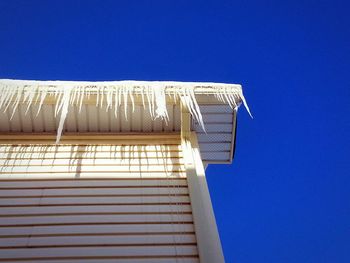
[97, 240]
[91, 155]
[88, 168]
[92, 182]
[88, 148]
[95, 162]
[93, 200]
[71, 230]
[93, 209]
[182, 259]
[124, 219]
[95, 203]
[93, 175]
[92, 192]
[84, 252]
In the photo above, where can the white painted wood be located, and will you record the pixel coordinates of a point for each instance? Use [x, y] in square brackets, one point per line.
[209, 246]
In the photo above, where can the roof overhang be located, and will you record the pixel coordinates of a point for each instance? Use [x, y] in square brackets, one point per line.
[115, 107]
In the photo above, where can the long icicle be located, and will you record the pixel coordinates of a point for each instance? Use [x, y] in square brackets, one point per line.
[114, 94]
[64, 111]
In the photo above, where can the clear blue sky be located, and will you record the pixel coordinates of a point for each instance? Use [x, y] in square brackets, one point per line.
[286, 197]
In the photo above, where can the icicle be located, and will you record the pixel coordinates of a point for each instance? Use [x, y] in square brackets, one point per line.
[42, 98]
[29, 95]
[153, 95]
[116, 103]
[143, 97]
[131, 94]
[64, 111]
[82, 95]
[18, 98]
[73, 96]
[10, 98]
[149, 101]
[109, 98]
[153, 102]
[97, 97]
[125, 98]
[245, 103]
[2, 97]
[59, 95]
[102, 95]
[161, 111]
[191, 103]
[60, 100]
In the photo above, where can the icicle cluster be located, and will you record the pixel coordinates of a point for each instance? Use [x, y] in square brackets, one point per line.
[112, 95]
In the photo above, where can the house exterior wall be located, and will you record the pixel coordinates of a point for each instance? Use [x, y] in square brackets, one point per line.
[95, 200]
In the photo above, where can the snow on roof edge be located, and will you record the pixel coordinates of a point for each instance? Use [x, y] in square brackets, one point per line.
[113, 93]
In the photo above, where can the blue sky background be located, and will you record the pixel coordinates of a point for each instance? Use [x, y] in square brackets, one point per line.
[286, 197]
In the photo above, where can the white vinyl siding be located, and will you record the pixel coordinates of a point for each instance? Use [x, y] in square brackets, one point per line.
[95, 203]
